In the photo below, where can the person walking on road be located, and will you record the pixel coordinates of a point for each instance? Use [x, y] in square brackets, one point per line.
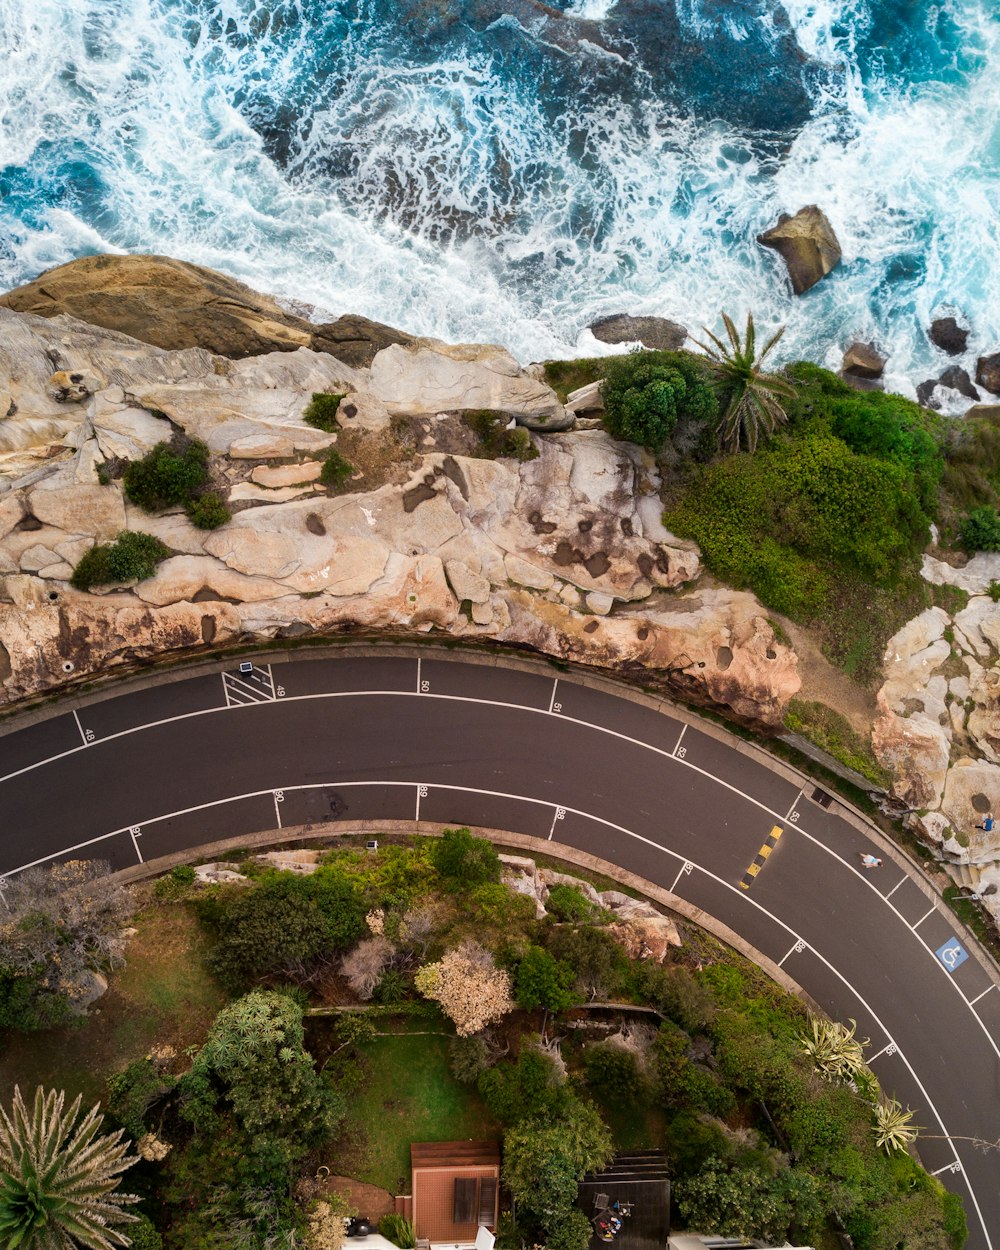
[987, 824]
[870, 861]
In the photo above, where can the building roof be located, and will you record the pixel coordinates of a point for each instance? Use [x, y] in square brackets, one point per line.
[454, 1154]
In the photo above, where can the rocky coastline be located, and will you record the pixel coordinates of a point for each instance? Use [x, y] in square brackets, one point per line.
[561, 550]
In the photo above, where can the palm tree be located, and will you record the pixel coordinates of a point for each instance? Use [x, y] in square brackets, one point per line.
[57, 1177]
[754, 402]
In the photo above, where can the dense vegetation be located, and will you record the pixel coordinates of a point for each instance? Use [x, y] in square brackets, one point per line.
[321, 412]
[826, 518]
[495, 439]
[762, 1138]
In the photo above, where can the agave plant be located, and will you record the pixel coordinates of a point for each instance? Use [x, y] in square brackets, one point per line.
[58, 1177]
[894, 1127]
[754, 397]
[835, 1051]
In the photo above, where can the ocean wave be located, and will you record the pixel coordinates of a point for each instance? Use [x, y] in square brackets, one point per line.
[499, 172]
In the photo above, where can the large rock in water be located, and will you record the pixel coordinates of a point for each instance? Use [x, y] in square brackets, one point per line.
[946, 333]
[988, 373]
[174, 305]
[807, 245]
[656, 333]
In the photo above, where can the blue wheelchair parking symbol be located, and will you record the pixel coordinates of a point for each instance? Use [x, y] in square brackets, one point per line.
[952, 953]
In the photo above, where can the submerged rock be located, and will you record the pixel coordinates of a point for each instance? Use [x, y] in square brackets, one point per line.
[861, 360]
[656, 333]
[807, 245]
[946, 333]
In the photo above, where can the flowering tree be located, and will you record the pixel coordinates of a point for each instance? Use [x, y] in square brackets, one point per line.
[470, 988]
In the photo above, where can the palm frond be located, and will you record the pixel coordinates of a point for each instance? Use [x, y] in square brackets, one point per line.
[754, 397]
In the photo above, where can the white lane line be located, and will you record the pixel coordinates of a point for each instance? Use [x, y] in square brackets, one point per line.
[948, 1167]
[979, 996]
[270, 678]
[419, 662]
[788, 814]
[558, 814]
[886, 1050]
[923, 918]
[421, 794]
[279, 798]
[135, 832]
[80, 727]
[256, 689]
[683, 871]
[552, 699]
[795, 949]
[902, 881]
[677, 744]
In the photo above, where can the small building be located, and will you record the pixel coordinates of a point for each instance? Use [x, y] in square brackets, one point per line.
[455, 1191]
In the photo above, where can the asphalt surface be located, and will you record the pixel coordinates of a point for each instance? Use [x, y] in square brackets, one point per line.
[186, 763]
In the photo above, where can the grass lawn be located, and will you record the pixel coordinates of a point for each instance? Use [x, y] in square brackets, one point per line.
[634, 1125]
[163, 994]
[407, 1094]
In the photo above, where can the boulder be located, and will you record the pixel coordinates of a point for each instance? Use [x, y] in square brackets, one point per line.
[586, 398]
[655, 333]
[915, 750]
[286, 474]
[946, 333]
[861, 360]
[957, 378]
[71, 388]
[807, 245]
[173, 304]
[988, 373]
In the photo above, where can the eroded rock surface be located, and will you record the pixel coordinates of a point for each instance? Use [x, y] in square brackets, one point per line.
[565, 553]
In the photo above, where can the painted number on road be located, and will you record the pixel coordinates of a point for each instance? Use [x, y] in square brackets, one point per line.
[424, 687]
[557, 707]
[560, 813]
[135, 831]
[681, 752]
[793, 817]
[952, 954]
[279, 691]
[279, 796]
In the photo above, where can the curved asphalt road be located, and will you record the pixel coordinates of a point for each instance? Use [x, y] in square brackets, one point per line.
[181, 764]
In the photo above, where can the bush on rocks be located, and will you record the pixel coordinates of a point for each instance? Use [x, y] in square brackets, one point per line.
[496, 439]
[336, 471]
[208, 511]
[321, 412]
[171, 474]
[132, 556]
[646, 394]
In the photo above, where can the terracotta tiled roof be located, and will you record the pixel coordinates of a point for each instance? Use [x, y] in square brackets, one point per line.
[443, 1172]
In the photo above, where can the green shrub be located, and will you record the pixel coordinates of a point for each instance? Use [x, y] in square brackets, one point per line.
[569, 903]
[980, 530]
[144, 1236]
[993, 590]
[464, 860]
[647, 393]
[542, 981]
[133, 1091]
[613, 1073]
[800, 510]
[321, 412]
[176, 883]
[169, 475]
[496, 439]
[281, 925]
[133, 555]
[469, 1058]
[336, 471]
[208, 511]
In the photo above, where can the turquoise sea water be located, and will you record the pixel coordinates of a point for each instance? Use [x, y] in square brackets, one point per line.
[507, 170]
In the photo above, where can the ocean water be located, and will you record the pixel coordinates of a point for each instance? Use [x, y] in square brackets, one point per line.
[508, 170]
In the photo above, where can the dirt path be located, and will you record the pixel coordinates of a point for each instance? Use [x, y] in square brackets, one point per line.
[822, 682]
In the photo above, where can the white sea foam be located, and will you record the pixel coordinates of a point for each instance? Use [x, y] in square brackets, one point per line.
[467, 213]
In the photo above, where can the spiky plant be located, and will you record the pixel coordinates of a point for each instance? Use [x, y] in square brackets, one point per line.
[754, 397]
[894, 1127]
[835, 1051]
[58, 1177]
